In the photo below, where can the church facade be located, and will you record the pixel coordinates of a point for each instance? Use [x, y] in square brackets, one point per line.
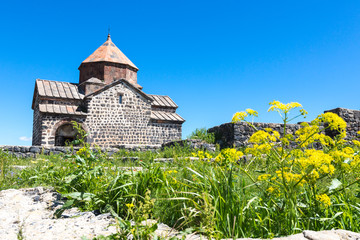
[108, 103]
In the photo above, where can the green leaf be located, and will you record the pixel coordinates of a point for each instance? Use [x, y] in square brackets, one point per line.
[195, 172]
[335, 183]
[80, 196]
[68, 179]
[68, 204]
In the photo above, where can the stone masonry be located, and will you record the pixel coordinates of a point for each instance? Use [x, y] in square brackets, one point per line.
[238, 134]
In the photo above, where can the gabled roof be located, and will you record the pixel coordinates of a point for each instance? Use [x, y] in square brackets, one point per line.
[108, 52]
[166, 116]
[60, 109]
[55, 89]
[162, 101]
[106, 87]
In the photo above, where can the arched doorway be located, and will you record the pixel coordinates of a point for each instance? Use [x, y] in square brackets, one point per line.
[65, 134]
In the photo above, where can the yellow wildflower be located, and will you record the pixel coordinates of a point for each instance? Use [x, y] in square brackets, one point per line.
[263, 137]
[252, 112]
[303, 112]
[281, 107]
[263, 177]
[307, 134]
[228, 155]
[348, 150]
[290, 177]
[340, 156]
[334, 122]
[270, 189]
[171, 171]
[239, 116]
[129, 205]
[356, 143]
[324, 199]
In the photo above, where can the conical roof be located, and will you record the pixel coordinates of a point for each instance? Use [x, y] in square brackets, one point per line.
[108, 52]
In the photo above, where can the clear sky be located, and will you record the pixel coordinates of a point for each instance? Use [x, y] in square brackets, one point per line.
[212, 58]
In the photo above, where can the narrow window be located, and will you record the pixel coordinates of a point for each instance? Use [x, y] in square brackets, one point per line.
[120, 99]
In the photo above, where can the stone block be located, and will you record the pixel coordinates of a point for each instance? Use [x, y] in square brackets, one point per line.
[35, 149]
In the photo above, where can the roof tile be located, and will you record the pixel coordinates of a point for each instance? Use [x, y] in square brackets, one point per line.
[60, 109]
[55, 89]
[166, 116]
[162, 101]
[108, 52]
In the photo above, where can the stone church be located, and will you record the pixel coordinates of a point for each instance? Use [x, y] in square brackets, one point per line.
[108, 103]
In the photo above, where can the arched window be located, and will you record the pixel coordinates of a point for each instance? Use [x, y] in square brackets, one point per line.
[65, 134]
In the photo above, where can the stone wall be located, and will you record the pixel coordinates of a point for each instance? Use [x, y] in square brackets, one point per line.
[37, 132]
[51, 122]
[33, 151]
[352, 119]
[238, 134]
[112, 123]
[230, 134]
[162, 132]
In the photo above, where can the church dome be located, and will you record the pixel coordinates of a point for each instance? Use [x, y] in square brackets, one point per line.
[108, 64]
[108, 52]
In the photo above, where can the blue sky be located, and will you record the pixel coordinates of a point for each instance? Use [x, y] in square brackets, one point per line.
[212, 58]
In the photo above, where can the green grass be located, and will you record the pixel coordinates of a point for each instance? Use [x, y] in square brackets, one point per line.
[213, 199]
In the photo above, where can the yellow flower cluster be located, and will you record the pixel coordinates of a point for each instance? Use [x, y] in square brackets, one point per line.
[290, 177]
[263, 137]
[340, 156]
[202, 155]
[355, 163]
[228, 155]
[240, 116]
[263, 177]
[356, 143]
[129, 205]
[310, 133]
[170, 172]
[84, 152]
[263, 141]
[324, 199]
[316, 160]
[271, 189]
[334, 122]
[252, 112]
[259, 149]
[285, 108]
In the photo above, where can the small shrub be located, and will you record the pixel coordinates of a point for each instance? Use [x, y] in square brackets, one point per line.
[203, 134]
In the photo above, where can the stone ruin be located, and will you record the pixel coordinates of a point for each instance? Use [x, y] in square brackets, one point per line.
[238, 134]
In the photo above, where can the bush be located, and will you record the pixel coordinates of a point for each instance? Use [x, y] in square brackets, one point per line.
[203, 134]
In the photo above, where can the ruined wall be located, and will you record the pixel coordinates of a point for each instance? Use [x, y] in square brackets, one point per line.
[33, 151]
[238, 134]
[352, 119]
